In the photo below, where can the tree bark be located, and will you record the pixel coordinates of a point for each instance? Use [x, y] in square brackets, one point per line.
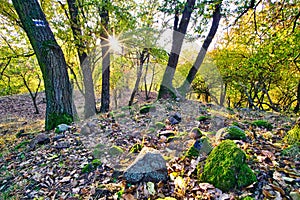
[105, 93]
[184, 88]
[297, 108]
[143, 56]
[51, 60]
[89, 93]
[166, 87]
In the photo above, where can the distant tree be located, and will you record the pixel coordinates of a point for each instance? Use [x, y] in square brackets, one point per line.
[51, 60]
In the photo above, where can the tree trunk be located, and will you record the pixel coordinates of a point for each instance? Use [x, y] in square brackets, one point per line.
[184, 88]
[105, 93]
[51, 60]
[89, 93]
[296, 109]
[166, 87]
[142, 60]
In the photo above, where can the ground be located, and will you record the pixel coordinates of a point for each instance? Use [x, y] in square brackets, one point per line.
[71, 166]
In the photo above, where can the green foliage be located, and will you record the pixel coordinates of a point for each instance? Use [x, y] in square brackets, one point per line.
[136, 148]
[226, 169]
[263, 124]
[293, 135]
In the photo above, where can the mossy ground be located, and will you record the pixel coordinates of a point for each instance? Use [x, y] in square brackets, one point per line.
[293, 135]
[226, 169]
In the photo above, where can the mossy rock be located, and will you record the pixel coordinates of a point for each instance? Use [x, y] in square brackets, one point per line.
[263, 124]
[247, 198]
[226, 169]
[115, 150]
[199, 147]
[293, 135]
[160, 125]
[292, 151]
[147, 108]
[195, 133]
[203, 118]
[231, 133]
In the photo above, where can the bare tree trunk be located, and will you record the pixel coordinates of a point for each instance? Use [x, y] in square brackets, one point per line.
[143, 56]
[105, 93]
[184, 88]
[51, 60]
[166, 87]
[85, 64]
[296, 109]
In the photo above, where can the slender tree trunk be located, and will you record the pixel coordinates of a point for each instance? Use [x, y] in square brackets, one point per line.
[85, 64]
[184, 88]
[51, 60]
[142, 60]
[105, 93]
[166, 87]
[297, 108]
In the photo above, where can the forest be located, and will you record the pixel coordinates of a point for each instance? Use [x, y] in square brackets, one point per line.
[157, 99]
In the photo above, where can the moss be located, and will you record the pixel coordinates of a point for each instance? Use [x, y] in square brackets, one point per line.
[166, 198]
[293, 135]
[96, 162]
[202, 118]
[247, 198]
[115, 150]
[192, 152]
[147, 108]
[232, 133]
[55, 119]
[160, 125]
[196, 133]
[87, 168]
[263, 124]
[226, 169]
[292, 151]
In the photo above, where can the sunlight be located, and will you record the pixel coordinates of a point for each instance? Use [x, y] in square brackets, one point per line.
[115, 45]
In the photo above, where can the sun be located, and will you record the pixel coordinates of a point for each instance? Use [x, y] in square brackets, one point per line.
[115, 45]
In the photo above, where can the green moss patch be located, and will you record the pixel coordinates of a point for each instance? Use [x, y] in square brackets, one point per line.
[226, 169]
[263, 124]
[203, 118]
[292, 151]
[231, 133]
[56, 119]
[136, 148]
[293, 135]
[147, 108]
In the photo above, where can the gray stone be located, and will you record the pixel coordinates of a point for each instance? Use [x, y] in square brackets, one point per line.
[62, 128]
[41, 138]
[148, 166]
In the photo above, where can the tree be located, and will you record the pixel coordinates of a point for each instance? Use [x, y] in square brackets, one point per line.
[51, 60]
[105, 94]
[89, 94]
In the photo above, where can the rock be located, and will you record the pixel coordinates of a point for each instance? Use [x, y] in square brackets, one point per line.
[62, 145]
[173, 121]
[147, 108]
[201, 146]
[195, 133]
[90, 128]
[226, 168]
[41, 138]
[177, 116]
[263, 124]
[57, 137]
[149, 165]
[62, 128]
[166, 133]
[295, 195]
[231, 133]
[293, 135]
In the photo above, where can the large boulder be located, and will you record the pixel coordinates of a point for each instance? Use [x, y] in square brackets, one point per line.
[148, 166]
[226, 168]
[231, 133]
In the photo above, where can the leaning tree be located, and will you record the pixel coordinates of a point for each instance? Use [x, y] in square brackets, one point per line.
[51, 60]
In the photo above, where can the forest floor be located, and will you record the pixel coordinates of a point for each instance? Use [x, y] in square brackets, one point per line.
[67, 166]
